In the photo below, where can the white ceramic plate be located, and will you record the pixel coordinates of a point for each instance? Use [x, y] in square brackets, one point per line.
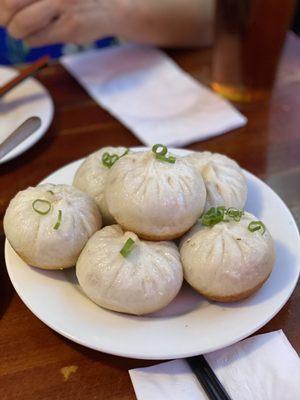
[190, 325]
[28, 99]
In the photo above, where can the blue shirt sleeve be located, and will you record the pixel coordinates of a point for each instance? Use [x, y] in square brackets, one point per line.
[14, 51]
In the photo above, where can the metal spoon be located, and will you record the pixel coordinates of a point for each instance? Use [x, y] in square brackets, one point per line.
[26, 129]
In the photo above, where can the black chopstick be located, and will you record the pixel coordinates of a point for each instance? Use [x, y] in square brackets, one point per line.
[206, 376]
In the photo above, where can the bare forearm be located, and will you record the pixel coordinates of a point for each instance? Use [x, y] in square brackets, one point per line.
[167, 22]
[159, 22]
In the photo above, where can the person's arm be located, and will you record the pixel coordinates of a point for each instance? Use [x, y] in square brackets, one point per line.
[173, 23]
[160, 22]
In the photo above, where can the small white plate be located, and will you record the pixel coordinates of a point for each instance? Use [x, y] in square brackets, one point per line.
[190, 325]
[28, 99]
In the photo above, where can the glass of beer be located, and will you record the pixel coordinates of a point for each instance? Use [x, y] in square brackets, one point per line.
[249, 39]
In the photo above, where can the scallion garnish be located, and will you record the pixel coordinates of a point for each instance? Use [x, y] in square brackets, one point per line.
[234, 213]
[213, 216]
[170, 159]
[50, 191]
[125, 153]
[221, 214]
[41, 206]
[57, 225]
[108, 160]
[126, 249]
[218, 214]
[256, 226]
[161, 151]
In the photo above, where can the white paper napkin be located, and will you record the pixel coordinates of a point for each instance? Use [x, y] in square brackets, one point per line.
[151, 95]
[264, 367]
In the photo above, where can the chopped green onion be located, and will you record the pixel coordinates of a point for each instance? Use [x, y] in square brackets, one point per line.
[256, 226]
[169, 159]
[50, 191]
[125, 153]
[213, 216]
[105, 157]
[126, 249]
[161, 151]
[57, 225]
[218, 214]
[114, 158]
[234, 213]
[39, 206]
[108, 160]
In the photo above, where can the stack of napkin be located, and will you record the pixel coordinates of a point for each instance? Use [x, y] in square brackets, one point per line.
[148, 92]
[264, 367]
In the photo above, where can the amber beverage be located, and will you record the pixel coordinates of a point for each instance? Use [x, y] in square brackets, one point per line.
[249, 39]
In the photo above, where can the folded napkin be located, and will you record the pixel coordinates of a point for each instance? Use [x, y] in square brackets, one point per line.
[148, 92]
[264, 367]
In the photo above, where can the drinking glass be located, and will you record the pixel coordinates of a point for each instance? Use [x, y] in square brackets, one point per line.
[249, 39]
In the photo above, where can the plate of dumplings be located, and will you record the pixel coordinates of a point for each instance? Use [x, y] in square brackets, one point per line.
[152, 253]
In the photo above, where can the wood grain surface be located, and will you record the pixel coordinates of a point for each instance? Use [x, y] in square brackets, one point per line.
[38, 364]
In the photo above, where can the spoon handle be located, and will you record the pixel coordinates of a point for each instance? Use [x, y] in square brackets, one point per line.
[26, 129]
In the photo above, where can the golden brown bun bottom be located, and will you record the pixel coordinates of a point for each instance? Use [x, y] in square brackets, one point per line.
[235, 297]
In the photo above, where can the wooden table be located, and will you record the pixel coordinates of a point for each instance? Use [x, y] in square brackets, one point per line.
[37, 363]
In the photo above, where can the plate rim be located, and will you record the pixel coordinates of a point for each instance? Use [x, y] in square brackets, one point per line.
[18, 150]
[175, 355]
